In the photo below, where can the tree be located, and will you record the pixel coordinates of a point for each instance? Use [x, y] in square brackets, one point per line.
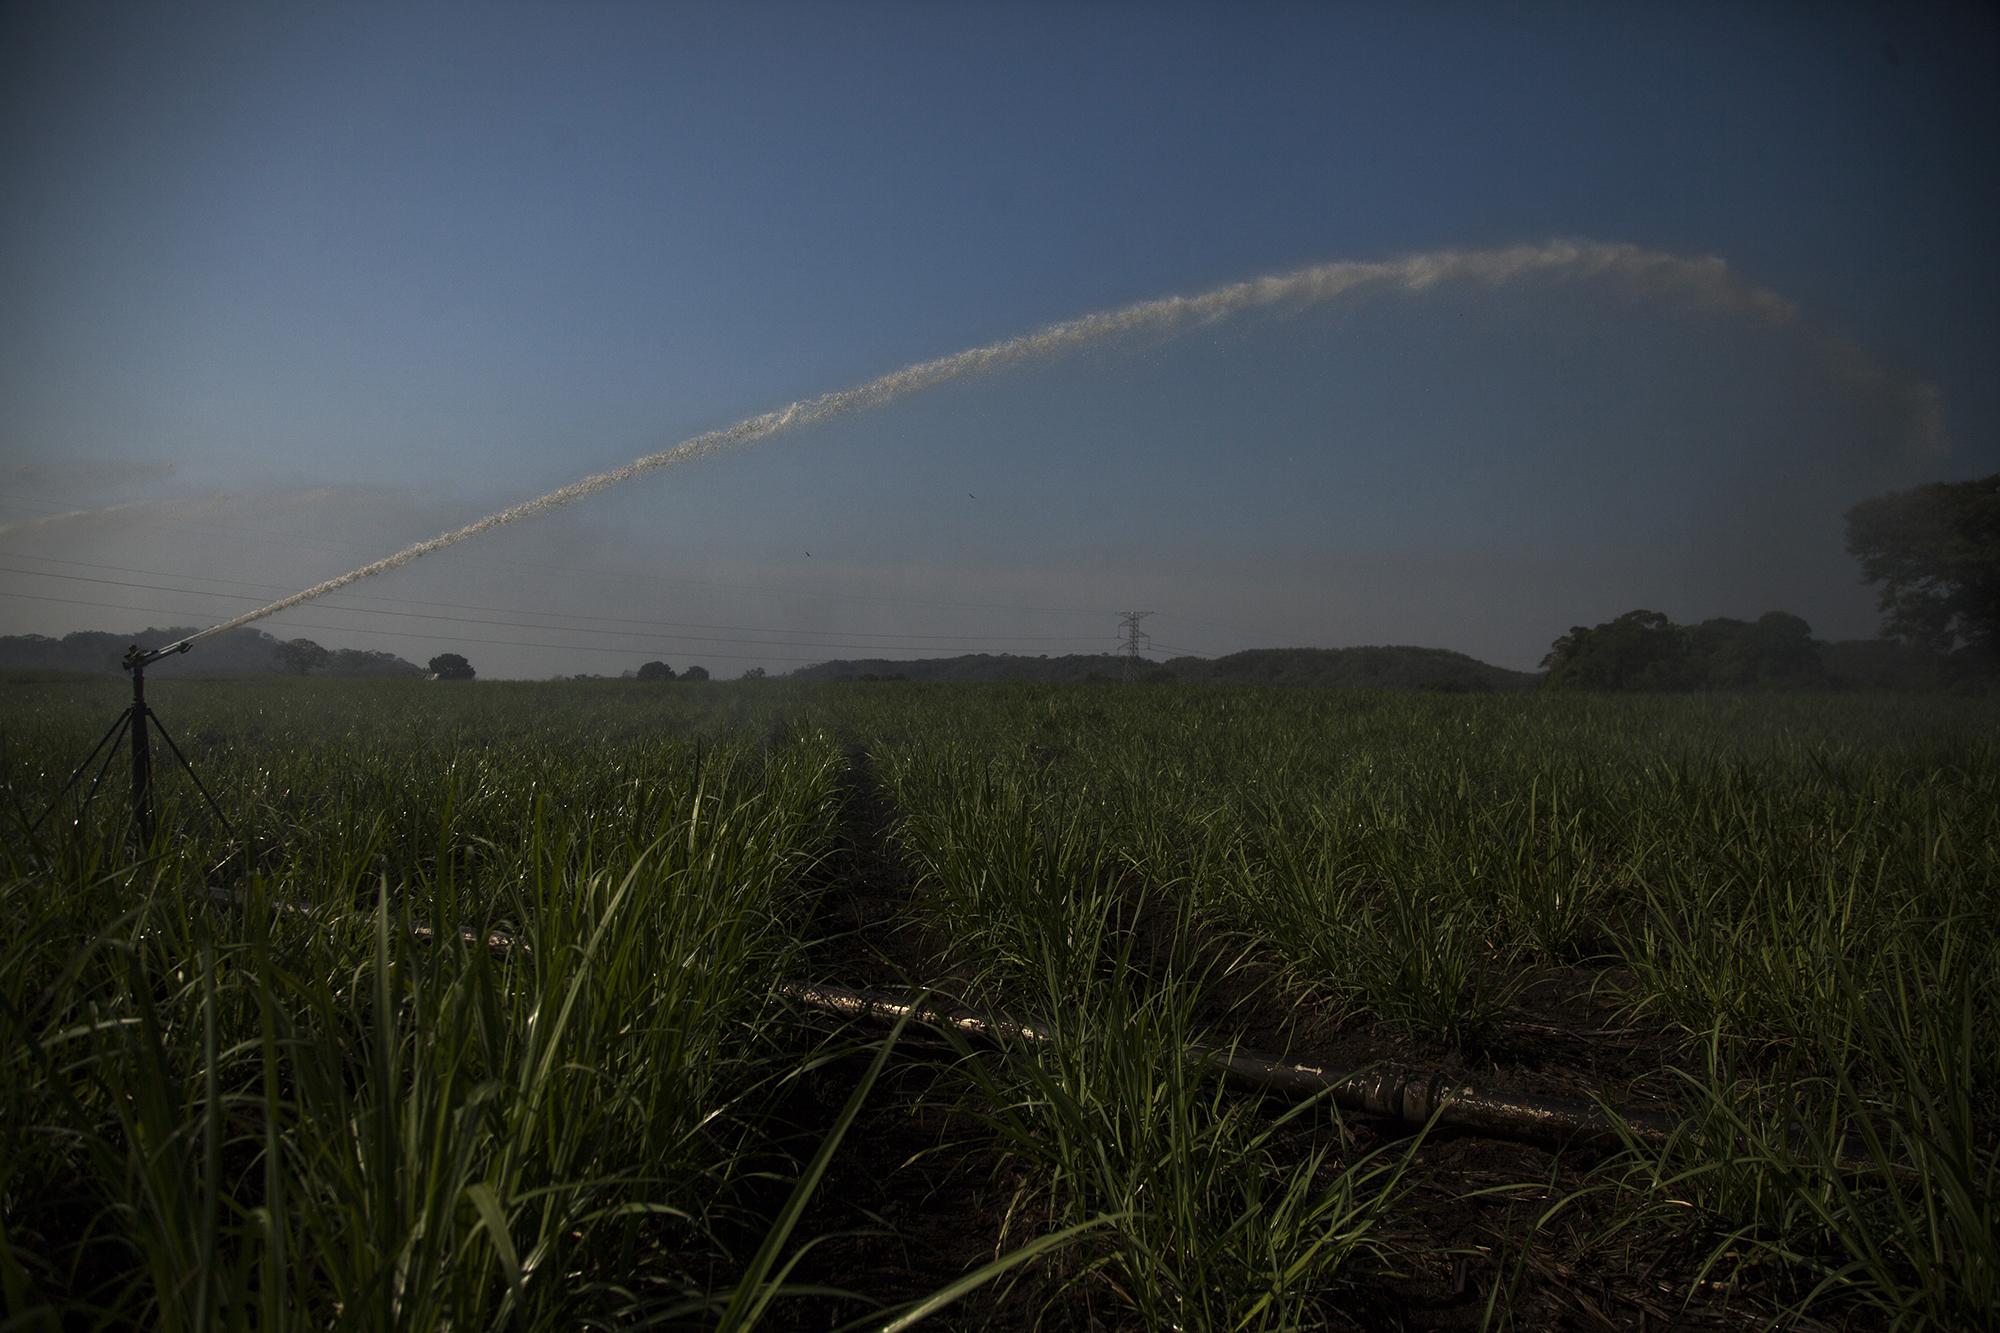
[1936, 552]
[754, 673]
[1786, 651]
[656, 671]
[300, 656]
[695, 673]
[359, 662]
[1641, 650]
[1777, 649]
[450, 666]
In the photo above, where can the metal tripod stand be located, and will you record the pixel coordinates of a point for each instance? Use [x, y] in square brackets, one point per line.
[141, 722]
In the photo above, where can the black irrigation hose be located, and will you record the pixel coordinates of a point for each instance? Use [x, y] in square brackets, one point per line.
[1412, 1097]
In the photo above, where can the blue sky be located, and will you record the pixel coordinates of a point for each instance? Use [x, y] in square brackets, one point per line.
[307, 284]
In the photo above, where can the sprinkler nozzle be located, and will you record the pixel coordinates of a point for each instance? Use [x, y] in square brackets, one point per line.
[136, 657]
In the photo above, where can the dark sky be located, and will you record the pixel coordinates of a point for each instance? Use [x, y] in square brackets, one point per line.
[296, 286]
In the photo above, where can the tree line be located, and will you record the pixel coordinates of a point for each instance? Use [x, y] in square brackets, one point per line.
[1935, 552]
[661, 671]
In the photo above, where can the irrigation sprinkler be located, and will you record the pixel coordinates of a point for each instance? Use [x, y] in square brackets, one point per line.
[140, 721]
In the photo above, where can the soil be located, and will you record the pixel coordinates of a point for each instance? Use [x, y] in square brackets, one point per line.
[920, 1192]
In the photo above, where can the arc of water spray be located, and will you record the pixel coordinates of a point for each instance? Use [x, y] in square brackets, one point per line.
[1705, 281]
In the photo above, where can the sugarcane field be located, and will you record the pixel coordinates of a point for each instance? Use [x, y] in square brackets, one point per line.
[550, 1004]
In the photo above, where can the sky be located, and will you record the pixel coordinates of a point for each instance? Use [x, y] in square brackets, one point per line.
[285, 288]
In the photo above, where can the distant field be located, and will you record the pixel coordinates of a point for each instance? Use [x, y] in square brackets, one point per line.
[245, 1085]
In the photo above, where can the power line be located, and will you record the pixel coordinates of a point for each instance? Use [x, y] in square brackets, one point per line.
[1270, 639]
[1129, 621]
[454, 606]
[440, 638]
[293, 540]
[661, 642]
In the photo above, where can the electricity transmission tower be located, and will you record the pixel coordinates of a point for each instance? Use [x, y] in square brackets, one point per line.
[1135, 638]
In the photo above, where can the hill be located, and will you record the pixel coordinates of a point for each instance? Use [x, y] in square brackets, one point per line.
[1391, 668]
[1068, 669]
[1372, 668]
[240, 652]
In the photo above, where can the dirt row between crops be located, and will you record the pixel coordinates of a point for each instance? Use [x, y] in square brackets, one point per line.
[918, 1195]
[913, 1199]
